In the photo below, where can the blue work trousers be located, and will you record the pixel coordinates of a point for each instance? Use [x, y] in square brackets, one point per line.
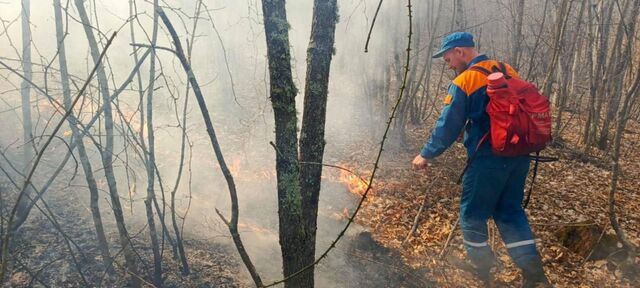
[493, 187]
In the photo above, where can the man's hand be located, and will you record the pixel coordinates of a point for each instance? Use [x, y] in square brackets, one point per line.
[419, 163]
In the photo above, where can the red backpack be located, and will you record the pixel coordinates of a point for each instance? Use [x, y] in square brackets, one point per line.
[520, 117]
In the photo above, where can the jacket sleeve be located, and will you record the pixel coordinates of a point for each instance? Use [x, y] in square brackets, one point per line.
[449, 125]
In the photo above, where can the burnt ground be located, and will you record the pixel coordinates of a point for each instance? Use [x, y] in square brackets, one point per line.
[42, 257]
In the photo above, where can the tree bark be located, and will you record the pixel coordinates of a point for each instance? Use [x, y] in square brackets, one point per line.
[424, 103]
[561, 23]
[626, 27]
[151, 159]
[598, 73]
[107, 153]
[319, 55]
[567, 75]
[517, 36]
[27, 127]
[459, 15]
[622, 121]
[282, 92]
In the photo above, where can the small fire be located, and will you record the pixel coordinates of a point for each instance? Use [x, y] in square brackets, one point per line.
[252, 227]
[353, 182]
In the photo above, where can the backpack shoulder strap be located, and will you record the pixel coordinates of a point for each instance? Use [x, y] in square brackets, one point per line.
[504, 71]
[500, 68]
[480, 69]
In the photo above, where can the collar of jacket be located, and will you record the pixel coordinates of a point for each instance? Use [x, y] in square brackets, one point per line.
[478, 58]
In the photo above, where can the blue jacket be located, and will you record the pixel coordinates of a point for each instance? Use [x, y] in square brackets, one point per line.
[466, 101]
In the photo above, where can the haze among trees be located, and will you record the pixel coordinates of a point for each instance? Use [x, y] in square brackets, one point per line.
[268, 143]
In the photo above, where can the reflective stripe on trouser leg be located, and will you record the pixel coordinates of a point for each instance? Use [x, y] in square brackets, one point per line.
[480, 255]
[511, 219]
[520, 243]
[481, 188]
[475, 244]
[524, 254]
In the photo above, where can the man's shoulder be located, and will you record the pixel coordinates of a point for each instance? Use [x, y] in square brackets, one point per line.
[470, 81]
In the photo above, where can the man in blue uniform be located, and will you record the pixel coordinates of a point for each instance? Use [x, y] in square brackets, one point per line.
[493, 186]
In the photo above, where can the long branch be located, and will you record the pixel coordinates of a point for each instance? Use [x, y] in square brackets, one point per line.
[233, 223]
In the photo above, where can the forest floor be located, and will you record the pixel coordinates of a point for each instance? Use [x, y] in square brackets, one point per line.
[567, 212]
[41, 256]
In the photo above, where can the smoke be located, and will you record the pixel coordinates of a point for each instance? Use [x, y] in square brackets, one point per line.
[229, 61]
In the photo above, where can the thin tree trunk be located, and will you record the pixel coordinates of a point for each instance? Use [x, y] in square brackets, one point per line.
[517, 36]
[459, 15]
[319, 54]
[132, 13]
[27, 127]
[628, 28]
[591, 100]
[155, 246]
[599, 73]
[107, 153]
[429, 66]
[176, 228]
[623, 117]
[282, 93]
[536, 45]
[82, 152]
[561, 23]
[567, 75]
[233, 223]
[577, 67]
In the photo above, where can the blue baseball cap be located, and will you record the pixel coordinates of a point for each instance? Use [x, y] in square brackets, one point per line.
[456, 39]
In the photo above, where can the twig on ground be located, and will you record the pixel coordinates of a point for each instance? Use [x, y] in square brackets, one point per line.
[417, 218]
[446, 243]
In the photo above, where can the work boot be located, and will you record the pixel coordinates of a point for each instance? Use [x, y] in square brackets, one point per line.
[482, 271]
[533, 275]
[530, 282]
[486, 278]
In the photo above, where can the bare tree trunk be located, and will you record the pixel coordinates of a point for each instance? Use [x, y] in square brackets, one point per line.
[233, 223]
[591, 100]
[517, 36]
[82, 152]
[27, 127]
[459, 15]
[151, 160]
[625, 27]
[183, 257]
[283, 92]
[404, 110]
[107, 153]
[429, 66]
[319, 54]
[622, 121]
[578, 66]
[567, 75]
[138, 76]
[561, 23]
[598, 73]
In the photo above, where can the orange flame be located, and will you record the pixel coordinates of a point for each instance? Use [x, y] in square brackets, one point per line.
[353, 182]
